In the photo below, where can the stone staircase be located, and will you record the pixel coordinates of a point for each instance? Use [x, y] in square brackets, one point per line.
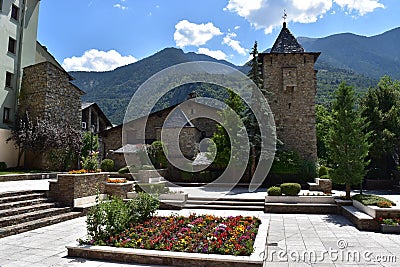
[27, 210]
[224, 203]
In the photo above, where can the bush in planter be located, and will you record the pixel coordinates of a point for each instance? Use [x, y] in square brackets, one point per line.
[323, 170]
[290, 189]
[371, 200]
[274, 191]
[107, 165]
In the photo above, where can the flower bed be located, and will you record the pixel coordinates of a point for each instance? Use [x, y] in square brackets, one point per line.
[116, 180]
[390, 225]
[196, 234]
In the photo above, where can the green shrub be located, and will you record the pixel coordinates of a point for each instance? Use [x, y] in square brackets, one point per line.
[286, 162]
[307, 170]
[113, 216]
[124, 170]
[157, 153]
[107, 165]
[3, 166]
[326, 176]
[371, 200]
[274, 191]
[323, 170]
[151, 188]
[290, 189]
[90, 163]
[143, 206]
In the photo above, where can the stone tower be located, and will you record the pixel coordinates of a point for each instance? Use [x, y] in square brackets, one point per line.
[290, 80]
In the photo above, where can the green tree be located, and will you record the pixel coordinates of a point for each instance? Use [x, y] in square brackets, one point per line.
[381, 106]
[347, 142]
[323, 120]
[90, 143]
[249, 119]
[220, 137]
[157, 153]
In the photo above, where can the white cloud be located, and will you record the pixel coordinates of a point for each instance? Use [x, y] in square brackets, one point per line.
[95, 60]
[237, 27]
[361, 6]
[234, 44]
[187, 33]
[217, 54]
[120, 6]
[267, 14]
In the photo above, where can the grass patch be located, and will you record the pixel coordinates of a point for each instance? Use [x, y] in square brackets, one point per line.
[371, 200]
[196, 234]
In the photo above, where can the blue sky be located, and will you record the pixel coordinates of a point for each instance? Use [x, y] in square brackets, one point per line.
[99, 35]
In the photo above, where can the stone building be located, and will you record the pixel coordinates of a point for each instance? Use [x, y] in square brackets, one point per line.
[18, 32]
[93, 118]
[192, 130]
[290, 78]
[46, 92]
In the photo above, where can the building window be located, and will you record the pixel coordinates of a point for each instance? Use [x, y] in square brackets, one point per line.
[1, 5]
[14, 12]
[9, 77]
[6, 115]
[12, 44]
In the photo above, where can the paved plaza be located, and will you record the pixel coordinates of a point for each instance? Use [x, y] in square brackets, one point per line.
[293, 239]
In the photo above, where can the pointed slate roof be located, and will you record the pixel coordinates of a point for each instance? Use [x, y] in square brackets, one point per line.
[177, 119]
[286, 43]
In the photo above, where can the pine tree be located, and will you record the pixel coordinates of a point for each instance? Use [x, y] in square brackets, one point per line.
[249, 118]
[347, 142]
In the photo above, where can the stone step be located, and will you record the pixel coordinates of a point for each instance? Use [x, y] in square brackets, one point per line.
[31, 215]
[226, 203]
[232, 199]
[24, 209]
[223, 207]
[19, 193]
[360, 219]
[27, 226]
[301, 208]
[28, 196]
[22, 203]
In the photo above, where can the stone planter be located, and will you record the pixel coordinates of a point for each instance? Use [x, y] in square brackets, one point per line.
[300, 199]
[70, 187]
[376, 212]
[119, 189]
[390, 229]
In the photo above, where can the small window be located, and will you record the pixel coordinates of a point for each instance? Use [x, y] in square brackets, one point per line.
[9, 77]
[14, 12]
[6, 115]
[12, 43]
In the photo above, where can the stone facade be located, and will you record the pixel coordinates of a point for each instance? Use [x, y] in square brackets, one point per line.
[290, 79]
[203, 128]
[46, 92]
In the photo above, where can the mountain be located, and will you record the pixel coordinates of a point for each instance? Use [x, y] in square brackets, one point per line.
[112, 90]
[373, 57]
[358, 60]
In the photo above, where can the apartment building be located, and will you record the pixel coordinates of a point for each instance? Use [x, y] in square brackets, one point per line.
[18, 34]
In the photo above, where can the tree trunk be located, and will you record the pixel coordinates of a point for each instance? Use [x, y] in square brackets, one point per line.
[348, 189]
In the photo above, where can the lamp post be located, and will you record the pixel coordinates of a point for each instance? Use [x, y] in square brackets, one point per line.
[91, 138]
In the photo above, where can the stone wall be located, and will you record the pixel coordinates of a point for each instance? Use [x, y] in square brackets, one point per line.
[291, 81]
[46, 92]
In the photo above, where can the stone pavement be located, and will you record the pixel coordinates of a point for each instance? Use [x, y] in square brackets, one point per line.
[293, 240]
